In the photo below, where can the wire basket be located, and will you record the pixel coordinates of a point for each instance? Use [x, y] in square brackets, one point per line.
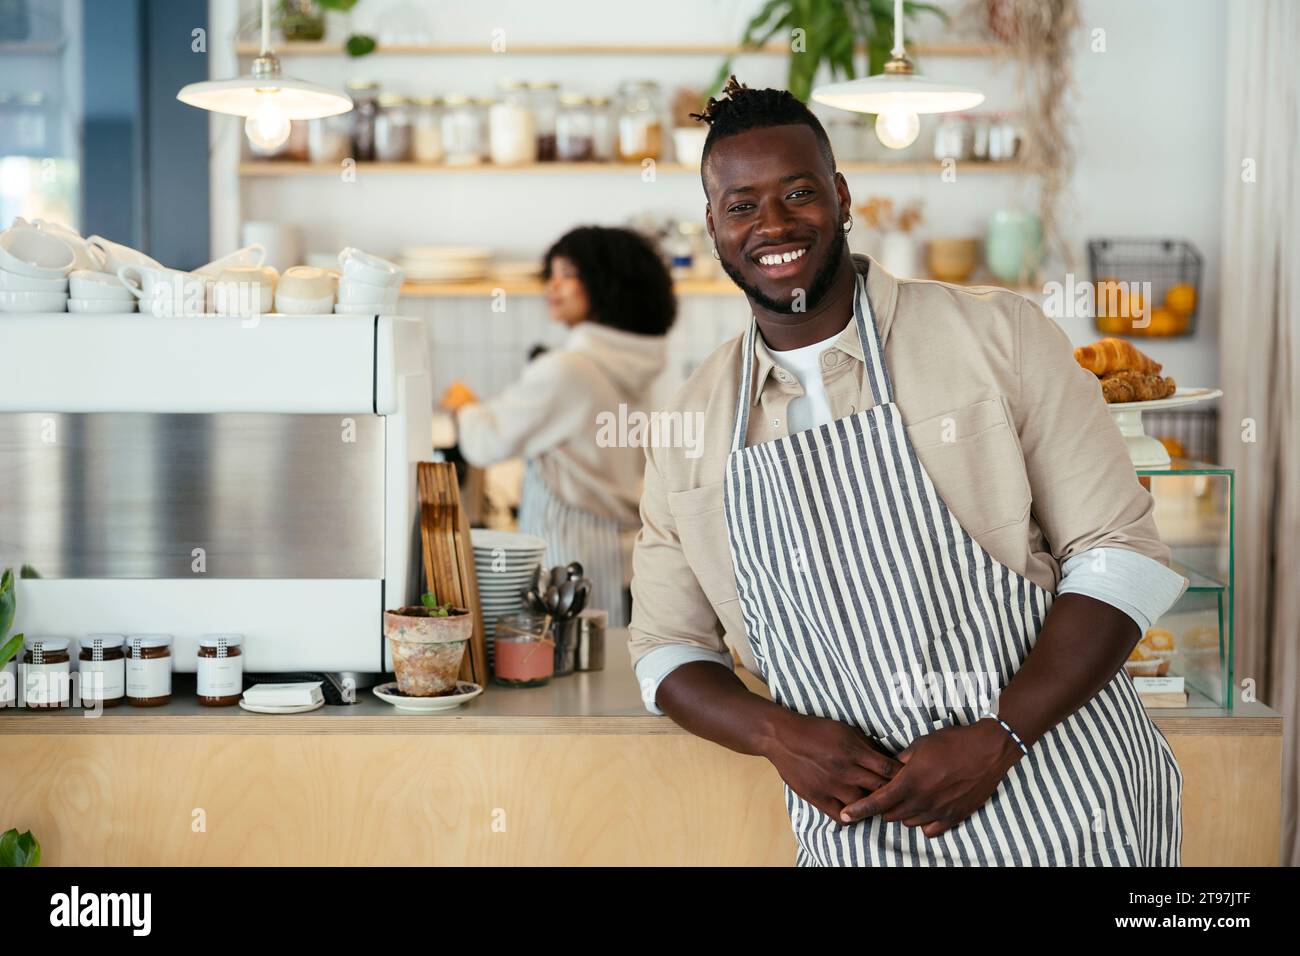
[1124, 302]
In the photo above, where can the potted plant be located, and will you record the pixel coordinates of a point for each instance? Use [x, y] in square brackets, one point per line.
[8, 648]
[427, 642]
[19, 849]
[304, 21]
[832, 31]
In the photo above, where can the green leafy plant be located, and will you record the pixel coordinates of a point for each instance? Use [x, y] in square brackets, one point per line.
[19, 849]
[8, 605]
[432, 607]
[303, 20]
[832, 31]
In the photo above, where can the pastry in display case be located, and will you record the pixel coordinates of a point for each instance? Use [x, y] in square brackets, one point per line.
[1186, 658]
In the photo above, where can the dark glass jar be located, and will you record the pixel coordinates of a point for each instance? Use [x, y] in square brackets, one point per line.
[103, 670]
[219, 671]
[365, 108]
[46, 672]
[148, 670]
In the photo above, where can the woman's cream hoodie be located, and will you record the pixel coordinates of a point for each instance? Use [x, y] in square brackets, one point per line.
[558, 413]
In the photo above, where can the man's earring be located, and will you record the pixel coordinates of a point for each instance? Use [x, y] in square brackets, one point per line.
[848, 224]
[715, 252]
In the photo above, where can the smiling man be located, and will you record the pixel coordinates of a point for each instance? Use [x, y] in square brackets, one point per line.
[914, 519]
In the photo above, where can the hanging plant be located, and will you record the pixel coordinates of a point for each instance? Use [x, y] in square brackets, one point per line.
[1038, 34]
[304, 21]
[831, 32]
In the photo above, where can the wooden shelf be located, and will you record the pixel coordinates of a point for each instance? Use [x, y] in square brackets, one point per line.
[326, 48]
[273, 168]
[523, 286]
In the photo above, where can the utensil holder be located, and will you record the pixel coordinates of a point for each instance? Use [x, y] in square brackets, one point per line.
[566, 646]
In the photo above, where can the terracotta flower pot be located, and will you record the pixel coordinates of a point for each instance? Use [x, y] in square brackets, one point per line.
[427, 651]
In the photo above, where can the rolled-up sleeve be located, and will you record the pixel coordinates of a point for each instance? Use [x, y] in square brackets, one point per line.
[673, 622]
[1086, 495]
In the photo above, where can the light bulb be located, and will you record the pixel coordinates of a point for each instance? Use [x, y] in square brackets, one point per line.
[268, 128]
[897, 128]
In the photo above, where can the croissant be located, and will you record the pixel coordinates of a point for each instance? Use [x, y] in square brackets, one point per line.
[1114, 355]
[1133, 386]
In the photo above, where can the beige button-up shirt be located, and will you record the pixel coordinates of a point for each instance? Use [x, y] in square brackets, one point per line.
[1014, 435]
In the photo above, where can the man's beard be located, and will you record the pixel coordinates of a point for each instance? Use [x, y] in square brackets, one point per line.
[821, 283]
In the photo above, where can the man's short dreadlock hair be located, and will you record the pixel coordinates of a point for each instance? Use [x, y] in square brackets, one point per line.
[745, 109]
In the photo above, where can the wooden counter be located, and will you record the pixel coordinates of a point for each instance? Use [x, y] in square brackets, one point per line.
[576, 772]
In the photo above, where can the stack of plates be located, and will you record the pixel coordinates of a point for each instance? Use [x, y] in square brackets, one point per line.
[506, 564]
[445, 263]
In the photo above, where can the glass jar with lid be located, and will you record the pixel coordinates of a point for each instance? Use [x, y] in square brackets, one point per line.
[47, 678]
[426, 129]
[950, 137]
[603, 130]
[329, 140]
[102, 666]
[392, 129]
[365, 109]
[512, 129]
[220, 669]
[640, 122]
[545, 98]
[574, 132]
[462, 131]
[523, 650]
[148, 670]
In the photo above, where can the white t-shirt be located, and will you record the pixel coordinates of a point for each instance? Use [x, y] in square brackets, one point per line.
[812, 407]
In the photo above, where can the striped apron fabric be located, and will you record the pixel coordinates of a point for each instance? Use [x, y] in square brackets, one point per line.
[572, 534]
[866, 602]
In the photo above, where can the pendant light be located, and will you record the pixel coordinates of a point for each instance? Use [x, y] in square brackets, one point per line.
[898, 95]
[268, 99]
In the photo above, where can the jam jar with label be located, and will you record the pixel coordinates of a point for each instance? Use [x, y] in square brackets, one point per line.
[148, 670]
[102, 666]
[220, 668]
[47, 677]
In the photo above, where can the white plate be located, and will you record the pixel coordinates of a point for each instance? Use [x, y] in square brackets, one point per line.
[1181, 396]
[273, 709]
[428, 705]
[1143, 450]
[13, 282]
[33, 301]
[489, 538]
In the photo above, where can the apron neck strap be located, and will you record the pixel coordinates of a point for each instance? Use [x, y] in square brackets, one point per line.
[875, 376]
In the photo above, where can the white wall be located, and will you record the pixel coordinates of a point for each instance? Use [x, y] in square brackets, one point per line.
[1149, 123]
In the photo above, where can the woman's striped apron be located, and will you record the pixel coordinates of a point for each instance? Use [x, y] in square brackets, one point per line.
[865, 601]
[572, 534]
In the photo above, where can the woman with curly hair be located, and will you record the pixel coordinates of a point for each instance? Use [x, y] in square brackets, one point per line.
[582, 490]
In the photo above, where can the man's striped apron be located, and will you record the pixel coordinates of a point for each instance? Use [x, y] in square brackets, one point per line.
[865, 601]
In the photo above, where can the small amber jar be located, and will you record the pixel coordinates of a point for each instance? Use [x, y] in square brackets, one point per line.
[102, 666]
[220, 670]
[46, 672]
[148, 670]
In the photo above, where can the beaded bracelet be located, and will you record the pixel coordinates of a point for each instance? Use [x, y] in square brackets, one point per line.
[1007, 727]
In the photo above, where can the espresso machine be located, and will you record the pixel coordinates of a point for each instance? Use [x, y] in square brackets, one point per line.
[213, 474]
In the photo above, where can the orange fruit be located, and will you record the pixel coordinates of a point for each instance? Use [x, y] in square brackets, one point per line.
[1181, 299]
[1111, 324]
[1164, 322]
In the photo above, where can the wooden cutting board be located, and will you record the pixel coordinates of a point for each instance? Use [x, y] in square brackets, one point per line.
[449, 557]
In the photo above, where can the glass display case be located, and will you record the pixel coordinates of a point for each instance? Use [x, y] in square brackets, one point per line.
[1194, 511]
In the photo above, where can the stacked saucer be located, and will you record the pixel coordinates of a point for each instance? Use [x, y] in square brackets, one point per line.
[506, 564]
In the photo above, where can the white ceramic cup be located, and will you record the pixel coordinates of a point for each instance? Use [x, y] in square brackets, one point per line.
[351, 291]
[106, 306]
[85, 284]
[165, 292]
[243, 290]
[307, 282]
[254, 255]
[363, 267]
[87, 257]
[293, 305]
[33, 301]
[116, 256]
[13, 282]
[27, 251]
